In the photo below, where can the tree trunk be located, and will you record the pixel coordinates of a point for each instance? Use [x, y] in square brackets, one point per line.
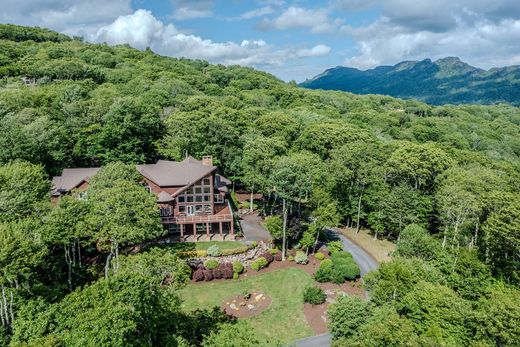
[358, 213]
[6, 313]
[251, 200]
[284, 229]
[107, 265]
[316, 241]
[69, 266]
[476, 234]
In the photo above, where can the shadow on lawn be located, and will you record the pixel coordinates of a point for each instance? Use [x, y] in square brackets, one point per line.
[194, 326]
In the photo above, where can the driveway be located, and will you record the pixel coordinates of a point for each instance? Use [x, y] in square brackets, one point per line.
[366, 264]
[253, 229]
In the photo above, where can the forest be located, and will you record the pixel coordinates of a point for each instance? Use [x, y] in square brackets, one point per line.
[443, 182]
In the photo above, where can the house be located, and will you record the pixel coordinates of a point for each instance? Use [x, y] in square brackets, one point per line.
[191, 195]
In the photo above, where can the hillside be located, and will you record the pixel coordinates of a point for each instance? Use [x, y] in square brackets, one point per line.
[444, 81]
[443, 182]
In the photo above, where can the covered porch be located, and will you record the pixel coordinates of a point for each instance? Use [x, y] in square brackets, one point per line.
[206, 231]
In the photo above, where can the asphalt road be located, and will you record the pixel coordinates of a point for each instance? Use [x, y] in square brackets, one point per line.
[366, 264]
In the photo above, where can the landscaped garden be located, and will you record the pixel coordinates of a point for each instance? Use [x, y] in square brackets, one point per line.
[282, 300]
[283, 320]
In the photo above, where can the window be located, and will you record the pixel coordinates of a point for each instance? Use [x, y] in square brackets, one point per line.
[219, 199]
[182, 209]
[207, 190]
[181, 198]
[148, 189]
[189, 198]
[198, 190]
[198, 198]
[206, 181]
[206, 198]
[166, 211]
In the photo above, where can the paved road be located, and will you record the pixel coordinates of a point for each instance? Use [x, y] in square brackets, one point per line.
[366, 264]
[253, 229]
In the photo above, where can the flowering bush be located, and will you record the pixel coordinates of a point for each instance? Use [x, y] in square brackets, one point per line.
[319, 256]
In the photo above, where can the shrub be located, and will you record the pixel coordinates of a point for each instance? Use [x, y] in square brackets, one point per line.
[290, 258]
[198, 275]
[238, 250]
[278, 256]
[259, 263]
[238, 267]
[346, 315]
[235, 275]
[273, 251]
[213, 251]
[217, 274]
[211, 264]
[301, 258]
[335, 246]
[352, 271]
[268, 256]
[208, 275]
[325, 271]
[226, 269]
[254, 244]
[314, 295]
[319, 256]
[342, 255]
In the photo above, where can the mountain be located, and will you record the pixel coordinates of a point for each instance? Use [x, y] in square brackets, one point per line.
[444, 81]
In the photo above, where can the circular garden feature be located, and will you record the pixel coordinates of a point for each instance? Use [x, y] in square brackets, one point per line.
[246, 305]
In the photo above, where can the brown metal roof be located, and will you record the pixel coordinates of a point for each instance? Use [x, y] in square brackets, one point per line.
[72, 178]
[166, 173]
[164, 197]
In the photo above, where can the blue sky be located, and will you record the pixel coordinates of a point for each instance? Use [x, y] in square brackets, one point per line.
[291, 39]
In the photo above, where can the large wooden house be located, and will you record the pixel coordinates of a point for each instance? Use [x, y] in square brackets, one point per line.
[191, 195]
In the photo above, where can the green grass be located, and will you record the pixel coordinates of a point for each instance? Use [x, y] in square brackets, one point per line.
[283, 320]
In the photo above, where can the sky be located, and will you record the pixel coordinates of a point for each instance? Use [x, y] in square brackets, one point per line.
[293, 40]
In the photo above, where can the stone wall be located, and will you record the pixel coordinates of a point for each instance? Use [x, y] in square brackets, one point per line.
[245, 258]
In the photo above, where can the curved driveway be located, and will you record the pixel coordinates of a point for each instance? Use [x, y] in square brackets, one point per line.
[366, 264]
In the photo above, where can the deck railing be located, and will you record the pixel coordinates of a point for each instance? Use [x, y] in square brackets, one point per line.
[198, 219]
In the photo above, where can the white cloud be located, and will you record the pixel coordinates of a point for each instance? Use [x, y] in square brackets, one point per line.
[141, 29]
[484, 33]
[190, 9]
[484, 44]
[259, 12]
[317, 21]
[68, 16]
[316, 51]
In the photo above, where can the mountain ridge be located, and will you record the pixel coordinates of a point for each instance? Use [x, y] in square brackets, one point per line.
[447, 80]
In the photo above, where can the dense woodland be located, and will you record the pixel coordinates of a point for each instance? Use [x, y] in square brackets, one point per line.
[443, 182]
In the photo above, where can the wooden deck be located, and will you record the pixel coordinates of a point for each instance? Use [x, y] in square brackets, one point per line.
[222, 214]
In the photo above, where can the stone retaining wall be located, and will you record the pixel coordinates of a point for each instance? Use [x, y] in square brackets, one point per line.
[245, 258]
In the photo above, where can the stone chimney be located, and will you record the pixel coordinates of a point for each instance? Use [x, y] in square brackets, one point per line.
[207, 160]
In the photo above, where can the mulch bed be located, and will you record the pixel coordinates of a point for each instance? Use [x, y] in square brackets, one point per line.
[241, 307]
[316, 315]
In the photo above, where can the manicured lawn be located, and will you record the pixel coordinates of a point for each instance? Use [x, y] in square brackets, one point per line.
[283, 320]
[203, 245]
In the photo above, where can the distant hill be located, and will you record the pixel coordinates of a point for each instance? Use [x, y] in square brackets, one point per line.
[444, 81]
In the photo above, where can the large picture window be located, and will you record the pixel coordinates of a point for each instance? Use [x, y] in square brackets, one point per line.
[200, 192]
